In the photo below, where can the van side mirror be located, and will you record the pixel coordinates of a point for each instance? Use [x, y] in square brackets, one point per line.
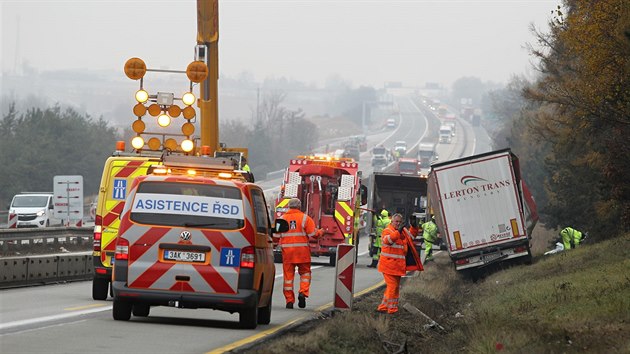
[281, 226]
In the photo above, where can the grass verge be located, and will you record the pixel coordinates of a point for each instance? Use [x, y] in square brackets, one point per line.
[575, 301]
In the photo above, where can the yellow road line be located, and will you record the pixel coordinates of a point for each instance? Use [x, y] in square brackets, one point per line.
[84, 307]
[273, 330]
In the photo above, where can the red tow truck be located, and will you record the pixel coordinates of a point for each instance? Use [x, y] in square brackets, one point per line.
[331, 193]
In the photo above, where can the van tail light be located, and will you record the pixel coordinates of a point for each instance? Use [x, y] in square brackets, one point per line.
[247, 257]
[122, 249]
[98, 229]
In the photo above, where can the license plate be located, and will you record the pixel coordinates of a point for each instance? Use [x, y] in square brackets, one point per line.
[184, 256]
[491, 257]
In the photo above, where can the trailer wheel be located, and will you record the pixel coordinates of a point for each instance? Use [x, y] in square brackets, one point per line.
[529, 257]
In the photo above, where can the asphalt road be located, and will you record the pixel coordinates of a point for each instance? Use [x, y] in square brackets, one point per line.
[63, 318]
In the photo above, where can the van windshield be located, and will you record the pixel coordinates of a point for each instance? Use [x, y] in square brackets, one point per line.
[188, 205]
[30, 201]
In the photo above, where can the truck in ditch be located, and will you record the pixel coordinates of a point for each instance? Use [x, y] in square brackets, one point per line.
[483, 210]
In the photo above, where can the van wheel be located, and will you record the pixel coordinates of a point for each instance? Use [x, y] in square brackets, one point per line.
[100, 287]
[141, 310]
[122, 310]
[264, 314]
[247, 319]
[277, 257]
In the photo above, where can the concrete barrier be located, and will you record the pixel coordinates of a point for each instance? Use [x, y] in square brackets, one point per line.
[45, 269]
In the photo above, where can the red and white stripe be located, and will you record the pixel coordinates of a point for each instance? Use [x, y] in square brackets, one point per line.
[344, 281]
[13, 219]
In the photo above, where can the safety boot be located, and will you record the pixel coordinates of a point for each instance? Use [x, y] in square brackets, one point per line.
[301, 301]
[374, 264]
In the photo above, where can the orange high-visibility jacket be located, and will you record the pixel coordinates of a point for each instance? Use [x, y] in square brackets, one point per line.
[393, 251]
[294, 242]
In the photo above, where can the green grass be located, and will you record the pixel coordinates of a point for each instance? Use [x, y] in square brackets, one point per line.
[575, 301]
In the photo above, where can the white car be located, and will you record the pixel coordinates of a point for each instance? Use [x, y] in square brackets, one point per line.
[33, 210]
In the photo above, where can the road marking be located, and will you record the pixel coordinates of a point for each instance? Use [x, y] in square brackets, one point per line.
[83, 307]
[31, 321]
[273, 330]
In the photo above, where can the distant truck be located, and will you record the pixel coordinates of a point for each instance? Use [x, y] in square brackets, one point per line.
[408, 166]
[380, 156]
[483, 209]
[427, 154]
[446, 134]
[32, 209]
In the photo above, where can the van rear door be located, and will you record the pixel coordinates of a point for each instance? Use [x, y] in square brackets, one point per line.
[186, 236]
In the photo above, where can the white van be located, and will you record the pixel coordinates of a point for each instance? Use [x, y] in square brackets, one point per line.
[33, 210]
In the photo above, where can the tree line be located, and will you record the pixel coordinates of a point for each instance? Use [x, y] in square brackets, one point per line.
[571, 126]
[39, 144]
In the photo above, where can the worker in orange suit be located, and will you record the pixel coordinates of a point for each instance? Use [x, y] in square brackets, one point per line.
[392, 263]
[296, 253]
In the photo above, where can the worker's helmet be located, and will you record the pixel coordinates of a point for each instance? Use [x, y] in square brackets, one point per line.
[384, 212]
[294, 203]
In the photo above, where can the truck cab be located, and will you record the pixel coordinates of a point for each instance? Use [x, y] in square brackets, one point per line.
[446, 134]
[426, 154]
[331, 193]
[408, 166]
[380, 156]
[32, 210]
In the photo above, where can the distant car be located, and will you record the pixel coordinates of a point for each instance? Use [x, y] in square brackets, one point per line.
[391, 123]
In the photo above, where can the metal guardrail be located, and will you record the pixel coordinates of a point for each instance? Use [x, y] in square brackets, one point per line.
[45, 235]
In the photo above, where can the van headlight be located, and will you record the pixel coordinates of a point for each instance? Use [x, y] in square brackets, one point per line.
[41, 213]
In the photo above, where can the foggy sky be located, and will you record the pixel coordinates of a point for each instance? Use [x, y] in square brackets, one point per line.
[366, 42]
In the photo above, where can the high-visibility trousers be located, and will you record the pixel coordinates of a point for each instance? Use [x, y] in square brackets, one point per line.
[304, 270]
[389, 303]
[428, 249]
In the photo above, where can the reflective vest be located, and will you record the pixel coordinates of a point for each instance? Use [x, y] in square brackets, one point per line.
[430, 231]
[294, 242]
[570, 237]
[381, 224]
[393, 252]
